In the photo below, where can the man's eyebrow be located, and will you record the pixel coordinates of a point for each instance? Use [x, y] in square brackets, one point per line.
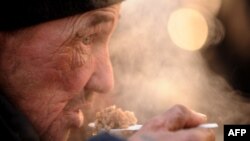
[100, 18]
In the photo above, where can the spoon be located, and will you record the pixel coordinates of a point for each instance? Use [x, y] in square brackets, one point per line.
[138, 127]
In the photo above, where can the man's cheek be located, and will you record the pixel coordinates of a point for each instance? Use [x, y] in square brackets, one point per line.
[70, 79]
[72, 57]
[61, 62]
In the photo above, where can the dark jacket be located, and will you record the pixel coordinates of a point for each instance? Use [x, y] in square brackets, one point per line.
[14, 126]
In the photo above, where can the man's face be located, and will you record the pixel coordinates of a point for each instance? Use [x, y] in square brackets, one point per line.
[49, 70]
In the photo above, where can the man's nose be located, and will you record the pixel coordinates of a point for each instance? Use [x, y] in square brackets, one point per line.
[102, 79]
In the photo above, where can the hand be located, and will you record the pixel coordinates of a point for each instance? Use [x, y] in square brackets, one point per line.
[177, 124]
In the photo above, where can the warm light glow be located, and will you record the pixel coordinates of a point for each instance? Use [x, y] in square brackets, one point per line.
[188, 29]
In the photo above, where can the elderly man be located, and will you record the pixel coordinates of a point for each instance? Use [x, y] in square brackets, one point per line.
[54, 54]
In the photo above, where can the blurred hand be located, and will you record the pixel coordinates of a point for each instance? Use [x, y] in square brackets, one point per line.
[177, 124]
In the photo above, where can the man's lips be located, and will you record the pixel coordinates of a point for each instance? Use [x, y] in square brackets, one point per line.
[74, 106]
[80, 118]
[76, 118]
[76, 115]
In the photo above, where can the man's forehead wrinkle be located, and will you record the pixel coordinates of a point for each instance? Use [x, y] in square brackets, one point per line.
[100, 18]
[74, 26]
[71, 27]
[70, 23]
[82, 23]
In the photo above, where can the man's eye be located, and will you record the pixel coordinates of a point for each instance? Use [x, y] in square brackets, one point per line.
[88, 39]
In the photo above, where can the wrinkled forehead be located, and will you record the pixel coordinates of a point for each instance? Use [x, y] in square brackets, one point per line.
[102, 19]
[104, 15]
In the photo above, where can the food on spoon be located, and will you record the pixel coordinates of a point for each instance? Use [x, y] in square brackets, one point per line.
[114, 118]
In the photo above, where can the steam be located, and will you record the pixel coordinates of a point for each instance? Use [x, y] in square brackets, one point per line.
[152, 73]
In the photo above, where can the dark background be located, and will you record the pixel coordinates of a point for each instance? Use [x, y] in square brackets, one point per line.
[231, 58]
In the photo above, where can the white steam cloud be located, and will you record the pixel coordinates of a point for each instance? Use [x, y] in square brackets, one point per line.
[152, 73]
